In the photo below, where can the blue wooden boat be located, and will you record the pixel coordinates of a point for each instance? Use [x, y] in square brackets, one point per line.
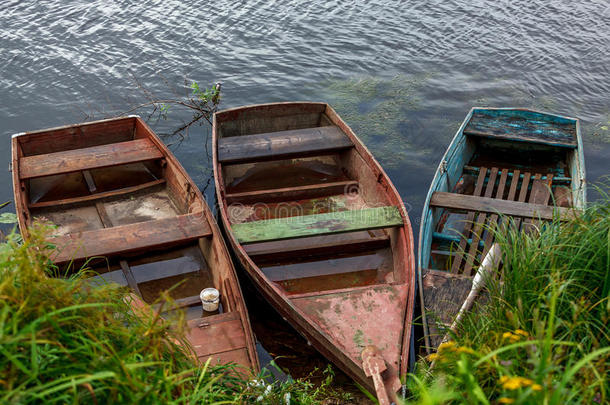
[503, 162]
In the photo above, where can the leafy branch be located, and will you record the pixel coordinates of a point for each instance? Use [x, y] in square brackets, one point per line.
[202, 102]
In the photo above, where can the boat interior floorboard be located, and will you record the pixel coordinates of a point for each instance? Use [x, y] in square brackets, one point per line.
[332, 272]
[444, 293]
[181, 272]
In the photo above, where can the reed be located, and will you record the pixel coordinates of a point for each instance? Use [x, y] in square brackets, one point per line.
[540, 334]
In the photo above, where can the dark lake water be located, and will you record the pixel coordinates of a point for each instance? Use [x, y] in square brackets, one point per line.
[402, 74]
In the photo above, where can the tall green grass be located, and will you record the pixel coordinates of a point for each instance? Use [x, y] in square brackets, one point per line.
[64, 341]
[542, 336]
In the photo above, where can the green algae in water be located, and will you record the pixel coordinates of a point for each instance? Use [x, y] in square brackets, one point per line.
[377, 110]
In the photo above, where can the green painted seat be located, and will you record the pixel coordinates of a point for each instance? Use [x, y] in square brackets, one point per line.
[317, 225]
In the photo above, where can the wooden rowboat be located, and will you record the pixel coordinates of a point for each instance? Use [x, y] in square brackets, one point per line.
[123, 205]
[503, 162]
[320, 229]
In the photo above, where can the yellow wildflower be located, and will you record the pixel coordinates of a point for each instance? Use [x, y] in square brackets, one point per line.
[465, 350]
[511, 336]
[514, 383]
[537, 387]
[446, 346]
[521, 332]
[432, 356]
[505, 400]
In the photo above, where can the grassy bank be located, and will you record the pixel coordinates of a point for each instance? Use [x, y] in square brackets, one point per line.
[543, 336]
[62, 341]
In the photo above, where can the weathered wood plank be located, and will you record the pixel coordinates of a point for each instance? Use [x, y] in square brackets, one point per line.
[346, 265]
[493, 219]
[541, 194]
[262, 254]
[316, 225]
[88, 158]
[130, 238]
[492, 205]
[237, 356]
[129, 277]
[480, 223]
[523, 194]
[293, 193]
[214, 334]
[443, 295]
[522, 126]
[280, 145]
[179, 303]
[77, 136]
[467, 226]
[98, 196]
[556, 179]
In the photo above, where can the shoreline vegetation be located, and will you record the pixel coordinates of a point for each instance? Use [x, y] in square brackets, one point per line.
[63, 340]
[541, 336]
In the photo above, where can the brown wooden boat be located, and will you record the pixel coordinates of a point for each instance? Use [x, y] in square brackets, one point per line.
[321, 230]
[123, 205]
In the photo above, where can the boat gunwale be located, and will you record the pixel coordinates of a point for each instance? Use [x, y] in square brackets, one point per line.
[77, 125]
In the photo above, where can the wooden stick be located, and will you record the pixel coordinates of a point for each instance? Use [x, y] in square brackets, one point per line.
[488, 265]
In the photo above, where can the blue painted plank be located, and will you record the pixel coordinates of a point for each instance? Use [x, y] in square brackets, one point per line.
[523, 126]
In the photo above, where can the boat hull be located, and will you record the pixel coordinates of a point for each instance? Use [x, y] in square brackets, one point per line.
[321, 316]
[125, 208]
[520, 150]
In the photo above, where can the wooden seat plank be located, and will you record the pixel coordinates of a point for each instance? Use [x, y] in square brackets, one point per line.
[284, 272]
[138, 150]
[129, 238]
[260, 253]
[281, 145]
[317, 225]
[492, 205]
[480, 222]
[523, 126]
[293, 193]
[469, 218]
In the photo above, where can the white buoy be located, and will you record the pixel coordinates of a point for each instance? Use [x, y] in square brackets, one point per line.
[210, 298]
